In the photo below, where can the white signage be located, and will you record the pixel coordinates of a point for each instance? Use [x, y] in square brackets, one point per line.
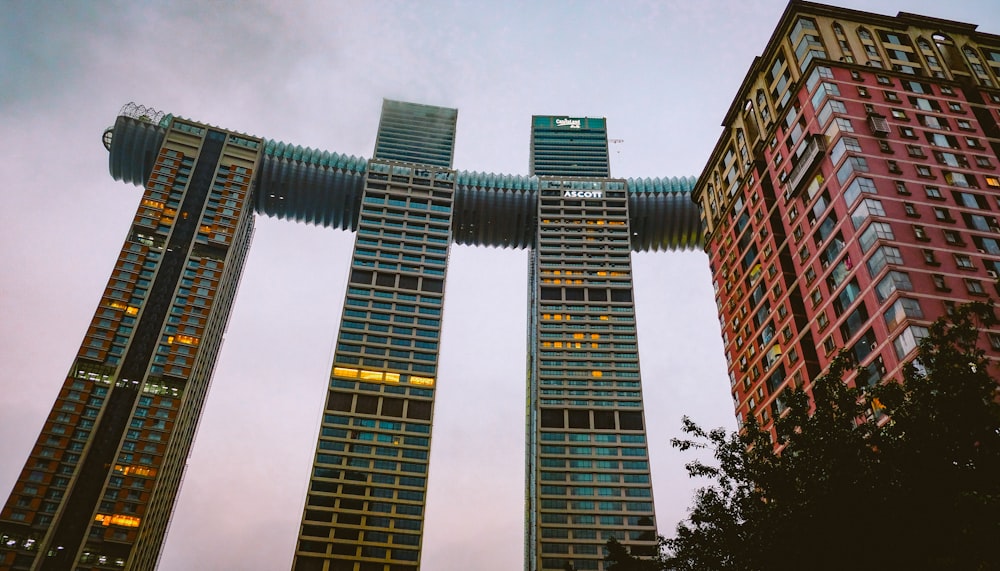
[583, 194]
[571, 123]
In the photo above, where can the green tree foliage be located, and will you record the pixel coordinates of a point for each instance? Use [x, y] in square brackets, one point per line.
[897, 476]
[619, 558]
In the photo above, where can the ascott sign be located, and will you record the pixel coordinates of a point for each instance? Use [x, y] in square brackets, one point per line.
[583, 194]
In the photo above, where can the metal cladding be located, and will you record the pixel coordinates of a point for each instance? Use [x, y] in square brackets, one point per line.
[499, 210]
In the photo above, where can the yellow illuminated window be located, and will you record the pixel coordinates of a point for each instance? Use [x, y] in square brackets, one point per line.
[604, 318]
[578, 336]
[186, 340]
[371, 375]
[152, 203]
[596, 374]
[144, 471]
[118, 305]
[345, 372]
[595, 336]
[117, 519]
[392, 377]
[131, 310]
[426, 381]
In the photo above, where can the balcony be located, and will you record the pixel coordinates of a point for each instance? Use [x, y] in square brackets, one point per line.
[815, 145]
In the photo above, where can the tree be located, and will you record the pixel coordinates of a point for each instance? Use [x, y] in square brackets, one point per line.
[897, 476]
[620, 558]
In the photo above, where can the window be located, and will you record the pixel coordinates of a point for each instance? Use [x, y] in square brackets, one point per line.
[915, 151]
[920, 233]
[911, 210]
[875, 231]
[816, 296]
[933, 192]
[893, 167]
[939, 282]
[907, 133]
[899, 114]
[858, 185]
[892, 282]
[851, 165]
[983, 162]
[883, 256]
[974, 287]
[964, 125]
[908, 340]
[901, 188]
[953, 238]
[979, 222]
[929, 258]
[942, 214]
[924, 171]
[964, 262]
[829, 345]
[867, 208]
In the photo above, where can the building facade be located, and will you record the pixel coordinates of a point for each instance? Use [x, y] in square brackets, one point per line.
[100, 484]
[852, 198]
[587, 467]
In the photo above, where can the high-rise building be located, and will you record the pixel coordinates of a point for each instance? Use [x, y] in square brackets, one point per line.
[100, 484]
[98, 488]
[852, 197]
[587, 469]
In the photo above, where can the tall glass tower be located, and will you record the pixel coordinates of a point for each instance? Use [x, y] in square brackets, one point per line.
[365, 505]
[587, 468]
[99, 486]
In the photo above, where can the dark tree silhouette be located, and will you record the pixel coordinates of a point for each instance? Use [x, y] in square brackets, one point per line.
[896, 476]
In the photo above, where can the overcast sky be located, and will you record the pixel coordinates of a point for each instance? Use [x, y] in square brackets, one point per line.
[663, 73]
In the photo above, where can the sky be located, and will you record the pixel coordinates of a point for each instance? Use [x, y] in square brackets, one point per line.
[314, 74]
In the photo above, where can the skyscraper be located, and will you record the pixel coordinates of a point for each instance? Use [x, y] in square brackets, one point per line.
[852, 197]
[100, 484]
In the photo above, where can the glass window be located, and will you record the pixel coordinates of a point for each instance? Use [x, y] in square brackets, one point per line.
[875, 231]
[883, 256]
[903, 308]
[867, 208]
[908, 340]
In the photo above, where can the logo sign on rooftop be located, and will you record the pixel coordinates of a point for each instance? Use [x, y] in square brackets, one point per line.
[583, 194]
[567, 122]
